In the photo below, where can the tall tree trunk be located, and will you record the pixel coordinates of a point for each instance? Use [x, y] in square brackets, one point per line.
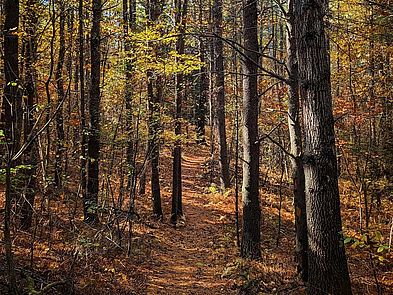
[219, 91]
[11, 101]
[200, 108]
[328, 270]
[177, 206]
[9, 121]
[93, 146]
[295, 136]
[154, 98]
[60, 99]
[30, 157]
[251, 236]
[129, 23]
[82, 102]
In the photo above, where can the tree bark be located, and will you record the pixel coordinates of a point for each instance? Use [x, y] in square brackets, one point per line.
[295, 136]
[83, 176]
[219, 91]
[30, 157]
[154, 99]
[200, 108]
[11, 101]
[251, 236]
[93, 148]
[129, 23]
[177, 206]
[328, 270]
[60, 98]
[10, 122]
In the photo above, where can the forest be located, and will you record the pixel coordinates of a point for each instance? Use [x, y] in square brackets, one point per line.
[196, 147]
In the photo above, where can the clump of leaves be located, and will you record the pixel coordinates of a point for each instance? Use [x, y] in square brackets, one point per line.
[370, 241]
[244, 275]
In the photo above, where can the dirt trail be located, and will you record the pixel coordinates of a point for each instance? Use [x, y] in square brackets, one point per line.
[184, 259]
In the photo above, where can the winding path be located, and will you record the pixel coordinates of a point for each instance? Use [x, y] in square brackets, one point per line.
[186, 259]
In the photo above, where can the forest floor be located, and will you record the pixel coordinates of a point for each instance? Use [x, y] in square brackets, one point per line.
[197, 257]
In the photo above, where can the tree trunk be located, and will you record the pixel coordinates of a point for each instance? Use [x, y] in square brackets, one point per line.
[203, 88]
[11, 101]
[129, 23]
[200, 108]
[219, 91]
[251, 236]
[328, 271]
[30, 157]
[295, 136]
[9, 121]
[83, 178]
[154, 99]
[60, 99]
[177, 206]
[93, 148]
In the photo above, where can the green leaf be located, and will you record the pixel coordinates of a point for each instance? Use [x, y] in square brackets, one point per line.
[355, 244]
[213, 188]
[378, 236]
[347, 240]
[380, 249]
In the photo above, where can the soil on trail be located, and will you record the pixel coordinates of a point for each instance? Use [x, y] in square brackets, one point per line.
[184, 259]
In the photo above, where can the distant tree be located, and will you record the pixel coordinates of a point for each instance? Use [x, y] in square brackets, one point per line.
[177, 204]
[82, 102]
[219, 93]
[60, 98]
[203, 87]
[154, 93]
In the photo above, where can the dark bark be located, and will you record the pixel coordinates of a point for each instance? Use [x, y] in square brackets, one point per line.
[10, 122]
[154, 141]
[251, 236]
[83, 140]
[11, 102]
[93, 146]
[60, 98]
[30, 155]
[177, 206]
[154, 93]
[219, 91]
[200, 108]
[203, 88]
[295, 136]
[328, 270]
[128, 23]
